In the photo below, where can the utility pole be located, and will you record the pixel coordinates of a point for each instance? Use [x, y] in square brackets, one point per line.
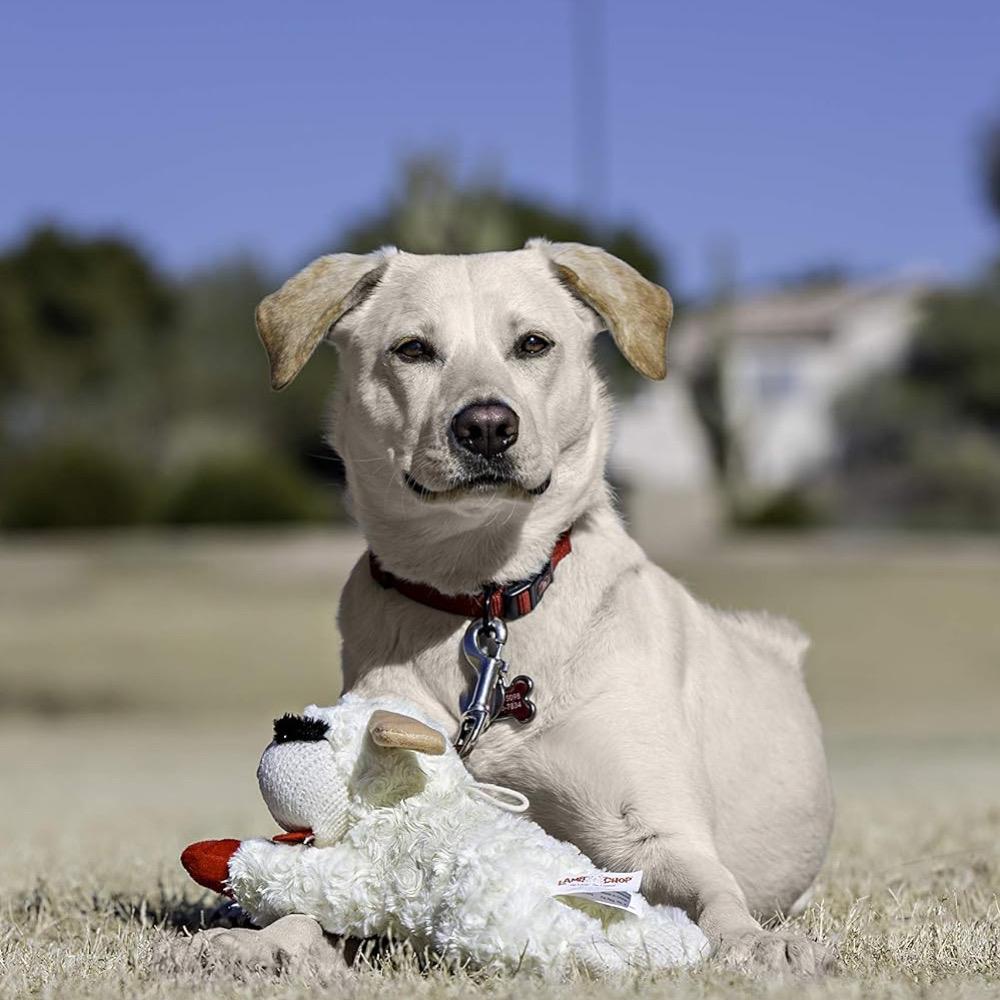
[590, 107]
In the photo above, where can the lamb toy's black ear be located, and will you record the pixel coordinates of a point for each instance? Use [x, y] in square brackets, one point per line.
[301, 728]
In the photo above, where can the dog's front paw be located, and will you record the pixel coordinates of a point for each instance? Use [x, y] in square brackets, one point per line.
[294, 940]
[770, 952]
[241, 946]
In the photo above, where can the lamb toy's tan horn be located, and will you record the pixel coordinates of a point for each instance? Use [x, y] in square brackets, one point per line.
[390, 729]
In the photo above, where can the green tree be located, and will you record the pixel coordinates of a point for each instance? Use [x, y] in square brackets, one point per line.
[122, 391]
[922, 445]
[956, 352]
[69, 306]
[220, 393]
[991, 167]
[433, 212]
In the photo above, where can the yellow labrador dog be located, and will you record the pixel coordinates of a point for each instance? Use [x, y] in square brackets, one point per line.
[668, 736]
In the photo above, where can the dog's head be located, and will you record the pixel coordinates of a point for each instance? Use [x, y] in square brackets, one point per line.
[467, 381]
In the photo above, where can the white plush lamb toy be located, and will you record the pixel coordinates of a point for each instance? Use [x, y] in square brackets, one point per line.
[398, 838]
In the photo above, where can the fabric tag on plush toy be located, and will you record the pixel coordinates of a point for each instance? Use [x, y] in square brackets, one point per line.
[618, 890]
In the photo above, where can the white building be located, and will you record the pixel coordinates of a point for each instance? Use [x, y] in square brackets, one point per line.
[785, 357]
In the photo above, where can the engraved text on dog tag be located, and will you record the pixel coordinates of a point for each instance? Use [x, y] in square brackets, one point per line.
[516, 703]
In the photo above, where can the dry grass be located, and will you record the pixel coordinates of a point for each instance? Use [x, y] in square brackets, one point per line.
[139, 679]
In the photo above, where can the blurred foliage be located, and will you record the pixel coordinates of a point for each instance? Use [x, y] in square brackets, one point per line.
[242, 489]
[956, 352]
[991, 167]
[789, 510]
[921, 446]
[956, 481]
[128, 395]
[433, 212]
[69, 306]
[72, 484]
[118, 386]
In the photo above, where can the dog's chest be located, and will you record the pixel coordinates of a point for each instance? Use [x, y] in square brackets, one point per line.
[395, 647]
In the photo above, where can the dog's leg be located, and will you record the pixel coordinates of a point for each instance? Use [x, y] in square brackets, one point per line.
[295, 940]
[686, 872]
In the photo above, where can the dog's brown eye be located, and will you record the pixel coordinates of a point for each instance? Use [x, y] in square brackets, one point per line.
[414, 349]
[533, 344]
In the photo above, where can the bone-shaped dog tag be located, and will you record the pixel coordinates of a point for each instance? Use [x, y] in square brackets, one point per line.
[516, 703]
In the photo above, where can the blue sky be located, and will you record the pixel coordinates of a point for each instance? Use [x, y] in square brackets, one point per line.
[800, 133]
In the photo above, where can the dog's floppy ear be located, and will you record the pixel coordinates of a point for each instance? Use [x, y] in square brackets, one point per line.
[294, 320]
[635, 311]
[390, 729]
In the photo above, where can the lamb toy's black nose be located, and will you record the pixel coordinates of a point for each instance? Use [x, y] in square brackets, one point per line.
[486, 429]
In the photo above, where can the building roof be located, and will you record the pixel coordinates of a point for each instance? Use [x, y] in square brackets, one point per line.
[785, 313]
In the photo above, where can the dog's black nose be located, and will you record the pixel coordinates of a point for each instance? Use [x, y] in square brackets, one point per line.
[488, 429]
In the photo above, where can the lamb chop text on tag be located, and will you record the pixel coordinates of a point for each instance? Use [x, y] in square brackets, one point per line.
[618, 890]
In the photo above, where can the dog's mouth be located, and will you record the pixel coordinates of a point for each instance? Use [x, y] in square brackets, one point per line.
[486, 483]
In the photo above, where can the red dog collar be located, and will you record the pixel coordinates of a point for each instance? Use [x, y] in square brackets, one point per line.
[510, 602]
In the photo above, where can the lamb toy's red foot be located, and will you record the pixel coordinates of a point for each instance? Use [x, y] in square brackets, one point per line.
[207, 861]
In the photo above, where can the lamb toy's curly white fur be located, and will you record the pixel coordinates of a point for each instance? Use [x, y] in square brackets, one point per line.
[405, 844]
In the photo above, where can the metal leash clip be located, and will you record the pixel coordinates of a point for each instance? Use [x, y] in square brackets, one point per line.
[492, 697]
[482, 645]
